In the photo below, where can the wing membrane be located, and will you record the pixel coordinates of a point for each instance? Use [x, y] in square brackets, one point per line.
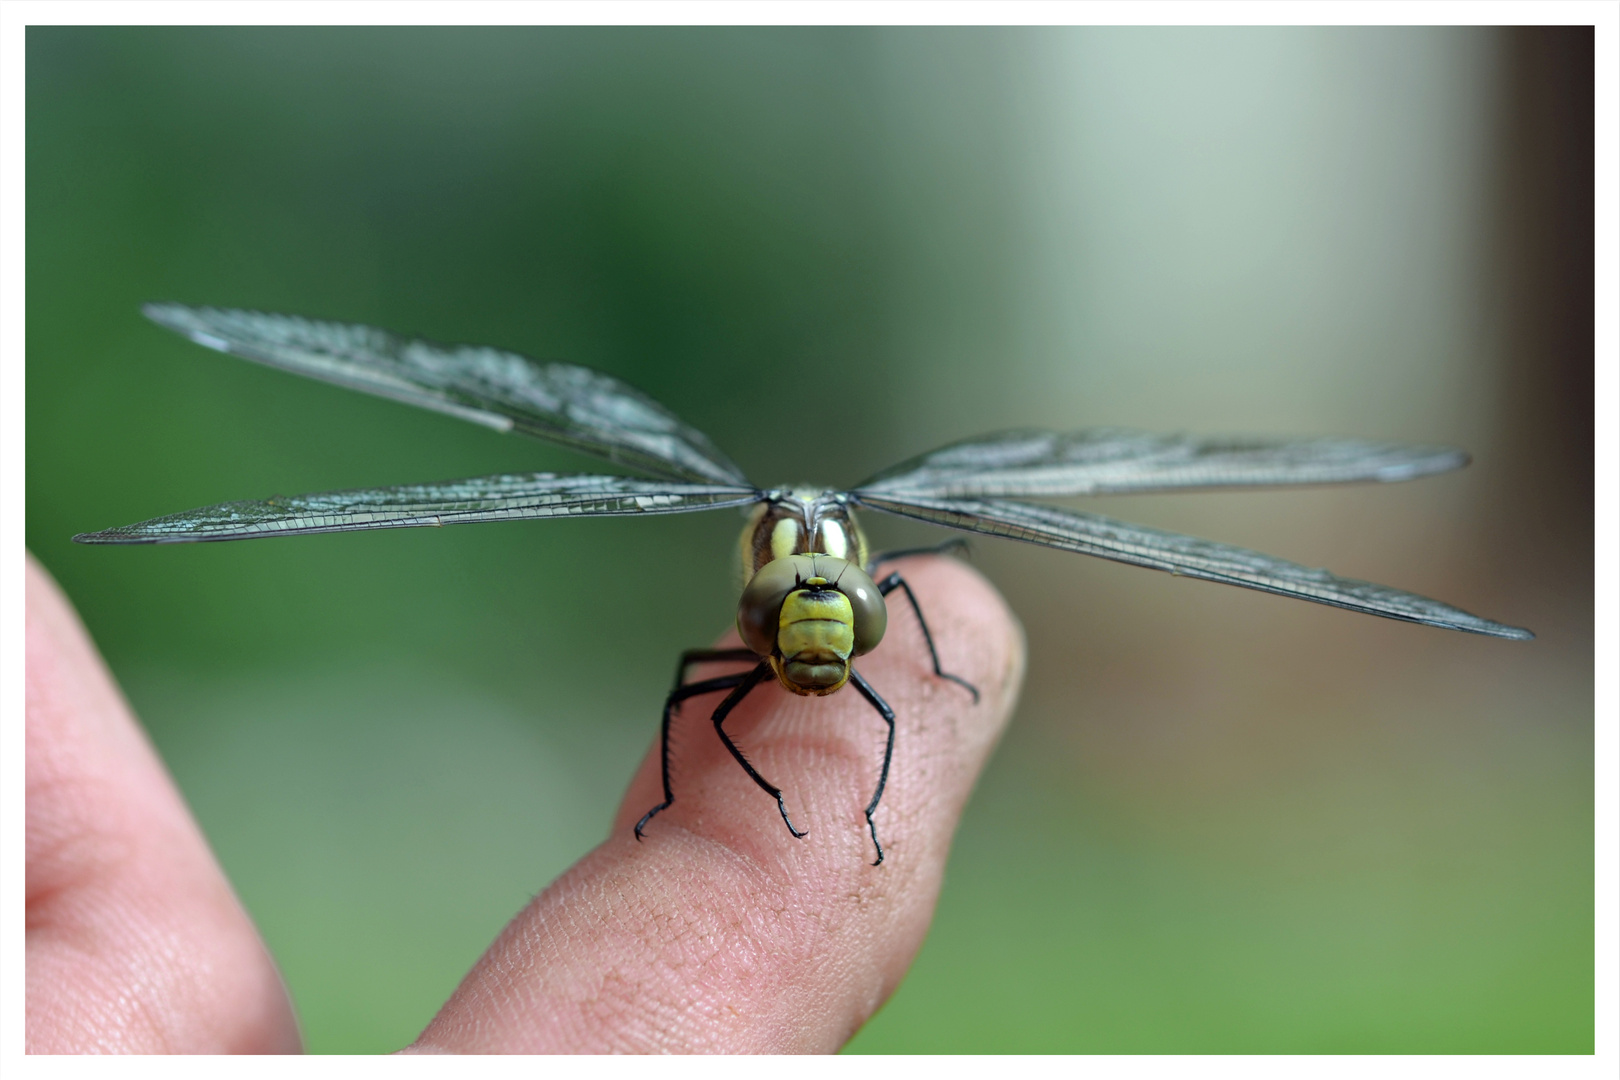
[1092, 534]
[1098, 461]
[563, 403]
[485, 498]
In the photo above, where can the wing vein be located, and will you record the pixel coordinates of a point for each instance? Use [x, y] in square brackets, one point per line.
[1138, 545]
[507, 497]
[563, 403]
[1095, 461]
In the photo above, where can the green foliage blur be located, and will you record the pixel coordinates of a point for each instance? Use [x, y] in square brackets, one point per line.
[1221, 821]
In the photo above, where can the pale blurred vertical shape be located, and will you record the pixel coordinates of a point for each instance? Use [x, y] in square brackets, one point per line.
[1266, 230]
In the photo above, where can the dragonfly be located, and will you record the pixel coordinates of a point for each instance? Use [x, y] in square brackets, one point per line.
[811, 603]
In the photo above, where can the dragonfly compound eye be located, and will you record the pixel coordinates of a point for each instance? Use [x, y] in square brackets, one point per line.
[834, 606]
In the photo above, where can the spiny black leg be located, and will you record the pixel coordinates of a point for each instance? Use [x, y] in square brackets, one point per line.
[955, 543]
[751, 680]
[888, 753]
[895, 581]
[676, 696]
[700, 656]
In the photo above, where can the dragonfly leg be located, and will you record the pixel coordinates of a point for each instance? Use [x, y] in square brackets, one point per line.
[680, 694]
[888, 753]
[702, 656]
[955, 543]
[751, 680]
[895, 581]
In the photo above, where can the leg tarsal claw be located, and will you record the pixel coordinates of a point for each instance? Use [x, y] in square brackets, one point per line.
[782, 807]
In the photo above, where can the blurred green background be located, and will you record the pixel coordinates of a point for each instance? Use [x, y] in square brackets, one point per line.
[1221, 821]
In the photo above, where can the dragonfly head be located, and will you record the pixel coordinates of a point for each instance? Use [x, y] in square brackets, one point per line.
[809, 614]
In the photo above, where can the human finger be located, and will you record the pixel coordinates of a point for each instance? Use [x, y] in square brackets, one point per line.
[135, 941]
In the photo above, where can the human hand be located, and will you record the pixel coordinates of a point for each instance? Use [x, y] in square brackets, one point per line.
[718, 933]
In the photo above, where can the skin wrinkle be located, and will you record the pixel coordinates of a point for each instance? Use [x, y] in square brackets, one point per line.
[132, 989]
[720, 932]
[148, 972]
[64, 856]
[676, 955]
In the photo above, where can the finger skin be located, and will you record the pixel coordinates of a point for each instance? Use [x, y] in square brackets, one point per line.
[135, 942]
[721, 932]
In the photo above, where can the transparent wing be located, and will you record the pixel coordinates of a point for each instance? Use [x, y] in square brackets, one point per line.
[1097, 461]
[486, 498]
[563, 403]
[1092, 534]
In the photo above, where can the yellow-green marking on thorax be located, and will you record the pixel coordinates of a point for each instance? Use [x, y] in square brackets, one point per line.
[799, 521]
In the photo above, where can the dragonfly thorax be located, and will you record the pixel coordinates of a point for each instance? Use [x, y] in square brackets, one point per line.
[808, 615]
[797, 521]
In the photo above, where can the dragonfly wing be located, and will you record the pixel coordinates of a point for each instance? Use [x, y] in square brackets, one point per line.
[1097, 461]
[485, 498]
[1092, 534]
[563, 403]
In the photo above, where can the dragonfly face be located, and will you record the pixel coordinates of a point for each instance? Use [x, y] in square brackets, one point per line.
[808, 615]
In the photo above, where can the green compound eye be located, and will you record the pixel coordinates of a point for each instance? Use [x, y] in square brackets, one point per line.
[761, 605]
[871, 613]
